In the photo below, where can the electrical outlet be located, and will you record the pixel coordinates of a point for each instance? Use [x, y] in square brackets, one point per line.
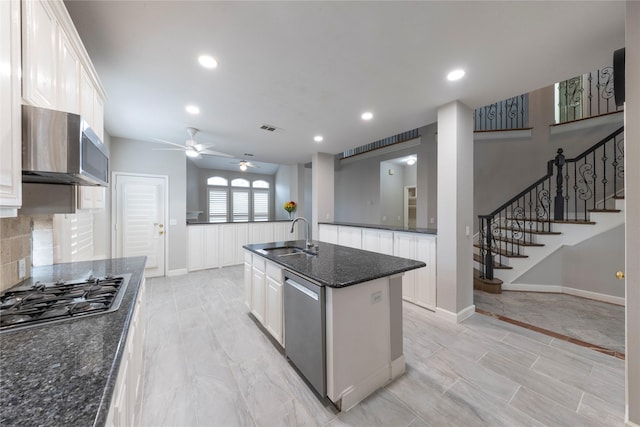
[22, 268]
[376, 297]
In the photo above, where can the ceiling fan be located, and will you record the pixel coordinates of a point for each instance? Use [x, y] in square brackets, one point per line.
[243, 164]
[191, 148]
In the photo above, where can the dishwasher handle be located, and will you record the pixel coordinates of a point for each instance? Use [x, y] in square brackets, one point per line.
[304, 290]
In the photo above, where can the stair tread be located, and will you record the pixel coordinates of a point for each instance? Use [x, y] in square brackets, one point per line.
[496, 264]
[524, 230]
[618, 197]
[502, 252]
[605, 210]
[555, 221]
[517, 241]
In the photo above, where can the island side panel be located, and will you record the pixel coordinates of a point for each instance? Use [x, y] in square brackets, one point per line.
[358, 338]
[395, 312]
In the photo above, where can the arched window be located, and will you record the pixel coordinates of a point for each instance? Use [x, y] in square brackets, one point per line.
[217, 180]
[238, 200]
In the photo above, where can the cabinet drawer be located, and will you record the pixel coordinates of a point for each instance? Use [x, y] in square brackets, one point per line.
[247, 257]
[258, 262]
[274, 271]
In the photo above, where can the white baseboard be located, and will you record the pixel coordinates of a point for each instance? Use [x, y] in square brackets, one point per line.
[556, 289]
[594, 295]
[456, 317]
[628, 423]
[177, 272]
[531, 288]
[398, 367]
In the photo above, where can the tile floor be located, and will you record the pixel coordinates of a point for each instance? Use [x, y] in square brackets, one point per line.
[590, 321]
[208, 364]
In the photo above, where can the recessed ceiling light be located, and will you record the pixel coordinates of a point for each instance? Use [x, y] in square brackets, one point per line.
[411, 161]
[192, 109]
[367, 115]
[455, 75]
[318, 138]
[207, 61]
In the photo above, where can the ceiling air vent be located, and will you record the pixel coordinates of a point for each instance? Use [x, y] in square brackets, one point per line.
[269, 128]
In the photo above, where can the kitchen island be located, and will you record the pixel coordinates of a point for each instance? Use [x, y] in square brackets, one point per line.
[362, 309]
[65, 373]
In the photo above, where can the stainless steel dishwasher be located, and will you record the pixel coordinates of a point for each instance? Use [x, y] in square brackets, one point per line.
[304, 329]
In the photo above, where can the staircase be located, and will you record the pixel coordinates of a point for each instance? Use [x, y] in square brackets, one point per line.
[577, 199]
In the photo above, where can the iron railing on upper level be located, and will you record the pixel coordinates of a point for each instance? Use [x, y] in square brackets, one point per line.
[587, 95]
[512, 113]
[586, 183]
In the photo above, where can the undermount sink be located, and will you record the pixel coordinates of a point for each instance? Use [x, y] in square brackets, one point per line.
[284, 251]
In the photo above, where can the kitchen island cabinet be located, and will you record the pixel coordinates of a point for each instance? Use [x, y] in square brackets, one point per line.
[363, 310]
[76, 371]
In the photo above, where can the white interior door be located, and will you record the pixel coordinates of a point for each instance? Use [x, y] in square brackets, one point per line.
[139, 209]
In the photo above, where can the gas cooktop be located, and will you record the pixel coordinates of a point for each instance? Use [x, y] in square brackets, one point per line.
[42, 303]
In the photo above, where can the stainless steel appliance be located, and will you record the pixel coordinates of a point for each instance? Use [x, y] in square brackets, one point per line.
[304, 329]
[38, 303]
[61, 148]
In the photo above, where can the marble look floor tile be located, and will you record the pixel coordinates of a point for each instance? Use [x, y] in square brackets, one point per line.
[381, 409]
[216, 367]
[564, 394]
[547, 411]
[172, 408]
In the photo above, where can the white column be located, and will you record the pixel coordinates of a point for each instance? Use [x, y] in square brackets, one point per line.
[632, 211]
[322, 189]
[455, 212]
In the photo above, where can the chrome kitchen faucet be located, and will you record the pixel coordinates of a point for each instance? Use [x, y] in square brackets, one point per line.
[308, 242]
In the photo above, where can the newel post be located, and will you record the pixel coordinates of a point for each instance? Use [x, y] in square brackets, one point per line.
[558, 208]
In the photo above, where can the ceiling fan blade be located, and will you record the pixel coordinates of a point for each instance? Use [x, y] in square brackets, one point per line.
[168, 149]
[214, 153]
[170, 143]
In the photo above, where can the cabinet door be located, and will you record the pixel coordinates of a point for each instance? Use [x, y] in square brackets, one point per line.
[87, 94]
[228, 244]
[68, 75]
[98, 115]
[405, 247]
[258, 285]
[425, 277]
[247, 284]
[380, 241]
[328, 233]
[39, 58]
[242, 238]
[211, 244]
[10, 114]
[350, 236]
[195, 248]
[274, 308]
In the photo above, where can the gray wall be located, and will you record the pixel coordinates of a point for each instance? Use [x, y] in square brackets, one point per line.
[283, 191]
[358, 185]
[139, 157]
[588, 266]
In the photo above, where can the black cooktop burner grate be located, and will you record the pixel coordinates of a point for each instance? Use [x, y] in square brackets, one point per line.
[38, 303]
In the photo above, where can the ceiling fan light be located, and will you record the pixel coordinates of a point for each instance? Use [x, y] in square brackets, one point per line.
[243, 167]
[191, 153]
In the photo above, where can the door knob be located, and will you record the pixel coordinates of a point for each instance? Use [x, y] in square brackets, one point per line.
[161, 233]
[620, 275]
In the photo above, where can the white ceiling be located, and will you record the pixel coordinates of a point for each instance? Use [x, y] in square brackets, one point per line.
[313, 67]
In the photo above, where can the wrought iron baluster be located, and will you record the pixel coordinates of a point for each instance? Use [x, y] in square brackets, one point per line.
[575, 190]
[590, 94]
[604, 176]
[558, 212]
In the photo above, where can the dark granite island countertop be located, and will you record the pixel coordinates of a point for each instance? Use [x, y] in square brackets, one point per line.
[337, 266]
[64, 373]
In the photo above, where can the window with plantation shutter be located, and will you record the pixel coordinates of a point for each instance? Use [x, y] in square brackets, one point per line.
[218, 205]
[240, 205]
[260, 205]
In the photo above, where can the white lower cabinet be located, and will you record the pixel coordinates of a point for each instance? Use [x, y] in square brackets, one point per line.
[264, 294]
[328, 233]
[380, 241]
[202, 247]
[418, 286]
[258, 289]
[127, 393]
[275, 297]
[350, 236]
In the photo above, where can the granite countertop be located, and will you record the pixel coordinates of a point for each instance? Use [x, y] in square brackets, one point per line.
[65, 373]
[337, 266]
[385, 227]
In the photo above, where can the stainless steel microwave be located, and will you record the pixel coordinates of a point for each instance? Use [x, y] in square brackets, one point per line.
[61, 148]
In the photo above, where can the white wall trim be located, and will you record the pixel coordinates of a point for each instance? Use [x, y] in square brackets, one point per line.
[628, 423]
[557, 289]
[177, 272]
[594, 295]
[456, 317]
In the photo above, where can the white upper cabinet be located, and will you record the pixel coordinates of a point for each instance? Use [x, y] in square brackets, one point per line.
[10, 114]
[39, 55]
[69, 75]
[57, 71]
